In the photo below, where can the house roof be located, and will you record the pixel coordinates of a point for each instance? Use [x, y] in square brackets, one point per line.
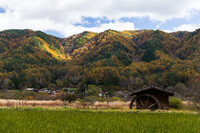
[29, 89]
[152, 88]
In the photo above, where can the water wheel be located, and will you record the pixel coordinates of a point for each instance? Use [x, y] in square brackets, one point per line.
[145, 101]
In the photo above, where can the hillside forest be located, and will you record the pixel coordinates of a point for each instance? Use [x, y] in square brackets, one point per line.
[113, 60]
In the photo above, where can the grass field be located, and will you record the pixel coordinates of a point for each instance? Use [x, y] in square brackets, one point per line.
[71, 121]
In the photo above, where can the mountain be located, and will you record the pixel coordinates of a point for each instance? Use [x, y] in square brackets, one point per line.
[20, 47]
[126, 47]
[190, 46]
[112, 59]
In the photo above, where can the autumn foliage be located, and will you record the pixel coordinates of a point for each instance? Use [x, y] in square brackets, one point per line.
[111, 59]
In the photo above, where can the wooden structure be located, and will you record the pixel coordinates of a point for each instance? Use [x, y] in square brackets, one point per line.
[151, 98]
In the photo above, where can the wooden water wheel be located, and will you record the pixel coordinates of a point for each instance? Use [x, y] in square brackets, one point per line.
[145, 101]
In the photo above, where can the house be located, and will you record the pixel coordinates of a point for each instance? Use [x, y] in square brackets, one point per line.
[29, 89]
[32, 89]
[151, 98]
[70, 90]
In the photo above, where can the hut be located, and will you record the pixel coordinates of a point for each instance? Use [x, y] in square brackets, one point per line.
[151, 98]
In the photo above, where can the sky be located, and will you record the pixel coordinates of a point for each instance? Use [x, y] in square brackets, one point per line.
[63, 18]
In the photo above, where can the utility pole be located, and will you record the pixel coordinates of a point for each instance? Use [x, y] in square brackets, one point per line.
[12, 90]
[85, 93]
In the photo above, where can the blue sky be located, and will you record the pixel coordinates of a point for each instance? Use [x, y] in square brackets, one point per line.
[2, 10]
[63, 18]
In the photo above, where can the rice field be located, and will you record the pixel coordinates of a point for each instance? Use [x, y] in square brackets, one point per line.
[76, 121]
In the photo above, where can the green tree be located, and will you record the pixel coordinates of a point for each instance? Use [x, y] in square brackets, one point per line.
[93, 90]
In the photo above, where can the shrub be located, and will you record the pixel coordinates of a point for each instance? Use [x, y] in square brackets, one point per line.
[115, 99]
[29, 98]
[92, 99]
[66, 97]
[71, 98]
[100, 99]
[43, 96]
[175, 103]
[80, 100]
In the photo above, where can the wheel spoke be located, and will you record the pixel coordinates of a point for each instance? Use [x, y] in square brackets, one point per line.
[152, 105]
[141, 102]
[147, 101]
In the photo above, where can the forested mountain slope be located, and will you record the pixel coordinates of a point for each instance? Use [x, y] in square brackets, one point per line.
[114, 60]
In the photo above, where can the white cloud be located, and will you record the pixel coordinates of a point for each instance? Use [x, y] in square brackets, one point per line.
[187, 27]
[61, 15]
[117, 25]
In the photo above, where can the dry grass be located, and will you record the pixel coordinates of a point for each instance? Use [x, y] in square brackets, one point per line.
[4, 103]
[29, 103]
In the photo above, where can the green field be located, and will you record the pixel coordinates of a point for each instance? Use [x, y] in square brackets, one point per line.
[70, 121]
